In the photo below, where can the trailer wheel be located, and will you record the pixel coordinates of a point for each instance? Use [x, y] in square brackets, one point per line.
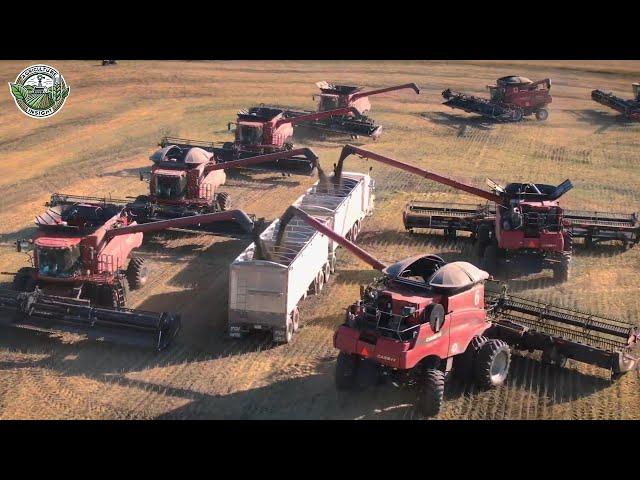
[346, 367]
[24, 281]
[431, 393]
[327, 272]
[463, 363]
[320, 282]
[492, 363]
[490, 259]
[295, 319]
[542, 114]
[137, 273]
[332, 264]
[314, 288]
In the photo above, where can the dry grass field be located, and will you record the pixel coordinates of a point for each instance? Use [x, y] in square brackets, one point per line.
[110, 125]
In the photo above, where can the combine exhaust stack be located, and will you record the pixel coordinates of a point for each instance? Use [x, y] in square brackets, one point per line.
[53, 314]
[628, 108]
[561, 333]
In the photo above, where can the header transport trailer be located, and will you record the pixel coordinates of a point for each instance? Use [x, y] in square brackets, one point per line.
[273, 274]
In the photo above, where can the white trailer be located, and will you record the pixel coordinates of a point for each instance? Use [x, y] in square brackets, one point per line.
[264, 294]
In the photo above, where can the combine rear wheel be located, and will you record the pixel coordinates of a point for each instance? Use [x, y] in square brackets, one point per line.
[137, 273]
[542, 114]
[346, 367]
[431, 393]
[492, 363]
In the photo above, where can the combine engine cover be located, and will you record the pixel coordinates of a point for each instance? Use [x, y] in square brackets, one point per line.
[52, 314]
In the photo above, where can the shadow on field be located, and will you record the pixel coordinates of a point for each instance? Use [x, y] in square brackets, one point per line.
[602, 120]
[459, 122]
[10, 238]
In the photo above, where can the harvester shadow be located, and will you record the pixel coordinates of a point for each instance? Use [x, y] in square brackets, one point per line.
[310, 396]
[125, 172]
[598, 118]
[459, 122]
[10, 238]
[245, 179]
[598, 250]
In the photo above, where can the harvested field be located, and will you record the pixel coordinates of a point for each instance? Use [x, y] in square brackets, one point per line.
[110, 125]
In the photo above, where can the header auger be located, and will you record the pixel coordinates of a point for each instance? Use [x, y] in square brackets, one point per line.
[628, 108]
[512, 99]
[426, 318]
[354, 124]
[82, 268]
[527, 231]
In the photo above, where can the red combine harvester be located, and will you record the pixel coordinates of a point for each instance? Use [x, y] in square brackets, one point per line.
[426, 318]
[512, 99]
[342, 96]
[260, 131]
[82, 270]
[527, 232]
[185, 181]
[628, 108]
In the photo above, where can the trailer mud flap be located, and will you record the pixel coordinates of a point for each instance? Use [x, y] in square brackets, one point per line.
[52, 314]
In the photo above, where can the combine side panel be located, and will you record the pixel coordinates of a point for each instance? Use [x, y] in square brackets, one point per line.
[587, 338]
[51, 314]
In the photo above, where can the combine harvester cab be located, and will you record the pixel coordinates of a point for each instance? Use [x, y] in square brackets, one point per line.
[278, 270]
[630, 109]
[82, 269]
[426, 318]
[511, 99]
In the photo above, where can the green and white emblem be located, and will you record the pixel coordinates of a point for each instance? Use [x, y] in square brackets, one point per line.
[39, 91]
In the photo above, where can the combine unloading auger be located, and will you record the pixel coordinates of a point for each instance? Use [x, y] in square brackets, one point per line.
[628, 108]
[528, 325]
[39, 312]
